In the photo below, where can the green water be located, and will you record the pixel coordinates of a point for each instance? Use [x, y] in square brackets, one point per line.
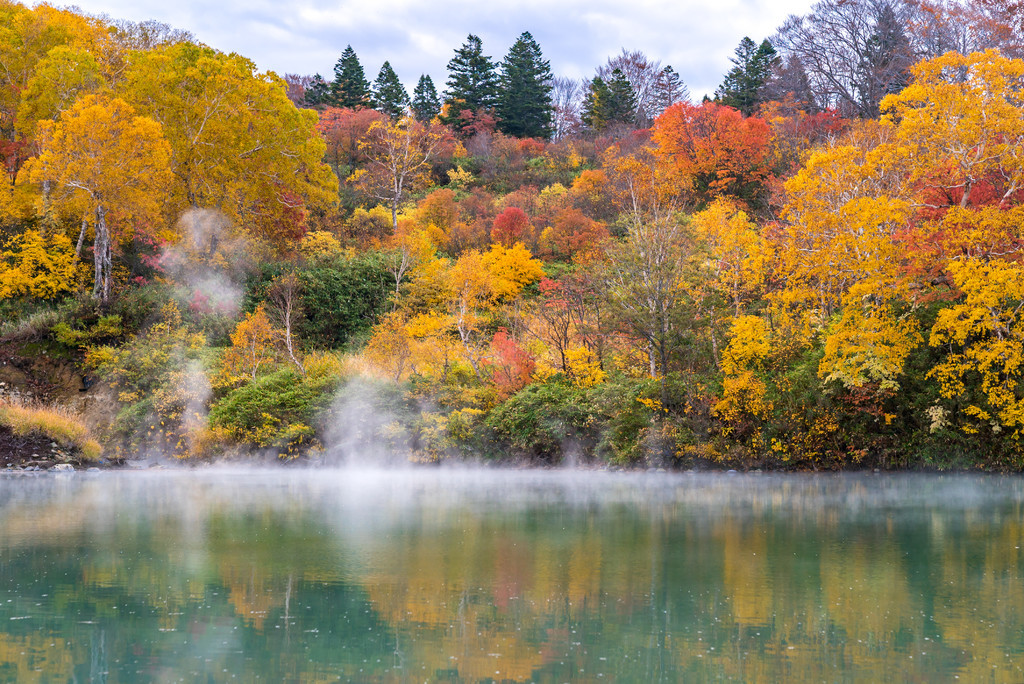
[325, 576]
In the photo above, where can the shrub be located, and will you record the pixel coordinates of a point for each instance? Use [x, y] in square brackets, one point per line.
[541, 419]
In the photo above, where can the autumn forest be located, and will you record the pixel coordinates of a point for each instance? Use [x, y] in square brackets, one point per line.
[818, 266]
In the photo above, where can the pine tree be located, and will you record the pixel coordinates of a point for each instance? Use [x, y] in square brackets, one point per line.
[668, 90]
[389, 95]
[609, 103]
[350, 88]
[472, 80]
[425, 102]
[743, 86]
[883, 68]
[524, 103]
[622, 102]
[318, 92]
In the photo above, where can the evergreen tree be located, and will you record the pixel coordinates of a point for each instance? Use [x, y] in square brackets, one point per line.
[425, 102]
[883, 66]
[668, 90]
[389, 96]
[609, 103]
[472, 80]
[743, 87]
[524, 103]
[318, 92]
[350, 88]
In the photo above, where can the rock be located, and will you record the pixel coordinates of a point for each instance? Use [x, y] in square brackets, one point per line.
[62, 468]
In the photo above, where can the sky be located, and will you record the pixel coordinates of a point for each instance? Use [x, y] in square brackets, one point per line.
[696, 38]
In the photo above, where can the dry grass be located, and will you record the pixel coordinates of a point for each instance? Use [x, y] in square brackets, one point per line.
[57, 423]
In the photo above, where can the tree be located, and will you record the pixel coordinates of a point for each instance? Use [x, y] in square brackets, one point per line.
[567, 99]
[253, 344]
[715, 152]
[668, 90]
[609, 102]
[108, 166]
[399, 155]
[849, 51]
[524, 103]
[349, 87]
[472, 82]
[425, 103]
[642, 74]
[885, 62]
[238, 144]
[743, 87]
[318, 92]
[389, 94]
[647, 270]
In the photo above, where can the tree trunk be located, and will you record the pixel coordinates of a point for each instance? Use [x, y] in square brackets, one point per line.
[101, 256]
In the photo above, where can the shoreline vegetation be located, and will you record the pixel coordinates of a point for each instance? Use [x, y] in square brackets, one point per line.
[817, 268]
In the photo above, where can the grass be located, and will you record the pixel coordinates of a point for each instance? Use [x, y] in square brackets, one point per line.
[57, 423]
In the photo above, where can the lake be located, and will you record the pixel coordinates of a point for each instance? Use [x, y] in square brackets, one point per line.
[511, 576]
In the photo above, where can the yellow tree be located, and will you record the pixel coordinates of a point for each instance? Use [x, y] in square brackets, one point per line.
[399, 155]
[253, 344]
[112, 166]
[959, 133]
[238, 144]
[984, 336]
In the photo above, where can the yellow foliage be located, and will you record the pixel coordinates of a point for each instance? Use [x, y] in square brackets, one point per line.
[584, 367]
[459, 178]
[748, 346]
[743, 392]
[739, 255]
[38, 266]
[319, 244]
[868, 345]
[984, 334]
[253, 344]
[509, 270]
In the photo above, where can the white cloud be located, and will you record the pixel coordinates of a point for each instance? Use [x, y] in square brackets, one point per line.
[307, 36]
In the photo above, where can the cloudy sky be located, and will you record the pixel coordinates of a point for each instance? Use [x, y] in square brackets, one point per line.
[696, 37]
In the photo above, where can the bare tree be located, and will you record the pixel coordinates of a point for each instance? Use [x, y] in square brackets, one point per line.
[284, 296]
[296, 86]
[852, 51]
[567, 100]
[643, 74]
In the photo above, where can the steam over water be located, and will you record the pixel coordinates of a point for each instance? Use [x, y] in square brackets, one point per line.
[477, 575]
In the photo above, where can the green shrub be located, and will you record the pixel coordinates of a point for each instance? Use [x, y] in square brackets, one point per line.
[542, 418]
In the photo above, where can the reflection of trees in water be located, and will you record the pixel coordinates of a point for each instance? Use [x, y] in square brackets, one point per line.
[765, 585]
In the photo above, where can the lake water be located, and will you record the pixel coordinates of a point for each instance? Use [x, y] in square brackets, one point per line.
[511, 576]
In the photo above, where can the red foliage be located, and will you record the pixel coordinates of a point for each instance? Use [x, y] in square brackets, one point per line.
[342, 129]
[511, 367]
[573, 231]
[717, 150]
[510, 226]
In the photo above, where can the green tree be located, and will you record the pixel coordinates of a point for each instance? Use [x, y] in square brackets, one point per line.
[524, 104]
[609, 103]
[349, 88]
[743, 86]
[472, 81]
[318, 92]
[389, 94]
[425, 102]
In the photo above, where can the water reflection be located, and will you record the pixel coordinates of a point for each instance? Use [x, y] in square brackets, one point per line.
[321, 576]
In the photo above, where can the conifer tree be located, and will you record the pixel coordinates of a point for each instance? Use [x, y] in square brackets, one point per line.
[743, 86]
[425, 102]
[668, 90]
[350, 88]
[389, 95]
[318, 92]
[524, 103]
[609, 103]
[472, 80]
